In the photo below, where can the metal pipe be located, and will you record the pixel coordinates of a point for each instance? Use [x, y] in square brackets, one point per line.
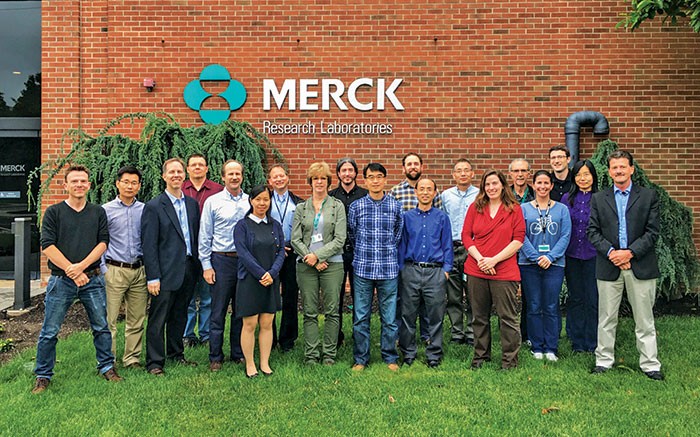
[572, 130]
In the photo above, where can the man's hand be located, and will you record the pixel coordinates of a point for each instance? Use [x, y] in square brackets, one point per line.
[209, 276]
[81, 280]
[620, 257]
[154, 289]
[73, 271]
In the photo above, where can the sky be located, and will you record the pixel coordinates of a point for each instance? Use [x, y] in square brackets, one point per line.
[20, 45]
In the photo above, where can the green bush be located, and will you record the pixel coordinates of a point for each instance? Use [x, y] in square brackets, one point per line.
[678, 258]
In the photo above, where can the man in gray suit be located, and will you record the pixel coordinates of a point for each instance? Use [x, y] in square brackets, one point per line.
[624, 227]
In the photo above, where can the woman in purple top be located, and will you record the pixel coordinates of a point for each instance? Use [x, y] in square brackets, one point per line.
[582, 306]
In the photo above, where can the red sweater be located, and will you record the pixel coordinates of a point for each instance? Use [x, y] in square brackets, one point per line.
[492, 235]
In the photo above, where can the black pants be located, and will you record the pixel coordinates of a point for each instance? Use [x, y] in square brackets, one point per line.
[289, 325]
[167, 317]
[348, 276]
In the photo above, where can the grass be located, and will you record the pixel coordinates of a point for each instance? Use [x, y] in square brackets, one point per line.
[538, 398]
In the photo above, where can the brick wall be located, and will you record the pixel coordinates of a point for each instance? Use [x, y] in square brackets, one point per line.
[490, 81]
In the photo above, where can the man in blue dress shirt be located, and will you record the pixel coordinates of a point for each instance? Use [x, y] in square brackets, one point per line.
[217, 252]
[425, 260]
[125, 277]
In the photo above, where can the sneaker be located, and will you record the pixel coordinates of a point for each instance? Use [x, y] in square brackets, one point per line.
[551, 356]
[40, 385]
[112, 375]
[537, 355]
[358, 367]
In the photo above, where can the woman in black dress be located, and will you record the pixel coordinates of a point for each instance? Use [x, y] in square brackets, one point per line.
[260, 246]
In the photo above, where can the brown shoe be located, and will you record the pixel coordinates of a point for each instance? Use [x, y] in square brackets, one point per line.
[157, 371]
[111, 375]
[134, 366]
[40, 385]
[393, 367]
[357, 367]
[186, 362]
[215, 366]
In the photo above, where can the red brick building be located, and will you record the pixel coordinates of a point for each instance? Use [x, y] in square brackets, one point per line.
[490, 80]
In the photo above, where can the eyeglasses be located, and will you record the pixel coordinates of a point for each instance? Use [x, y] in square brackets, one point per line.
[131, 183]
[377, 177]
[463, 171]
[557, 157]
[520, 171]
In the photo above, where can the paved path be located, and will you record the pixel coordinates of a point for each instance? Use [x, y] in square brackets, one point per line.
[7, 292]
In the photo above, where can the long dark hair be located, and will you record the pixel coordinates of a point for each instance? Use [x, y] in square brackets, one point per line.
[507, 196]
[255, 192]
[574, 190]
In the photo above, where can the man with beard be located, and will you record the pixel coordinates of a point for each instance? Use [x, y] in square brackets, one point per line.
[405, 193]
[282, 208]
[347, 192]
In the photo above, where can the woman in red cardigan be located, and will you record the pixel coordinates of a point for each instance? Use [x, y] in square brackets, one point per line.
[493, 232]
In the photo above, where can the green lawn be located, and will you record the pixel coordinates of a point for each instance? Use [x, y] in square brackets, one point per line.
[538, 398]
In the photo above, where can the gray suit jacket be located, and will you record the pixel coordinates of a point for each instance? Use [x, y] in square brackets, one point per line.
[642, 217]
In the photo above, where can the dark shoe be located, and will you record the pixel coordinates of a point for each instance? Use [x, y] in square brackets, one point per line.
[476, 365]
[433, 363]
[215, 366]
[408, 361]
[656, 375]
[133, 366]
[111, 375]
[286, 349]
[203, 343]
[157, 371]
[186, 362]
[238, 360]
[40, 385]
[311, 362]
[599, 370]
[190, 341]
[469, 341]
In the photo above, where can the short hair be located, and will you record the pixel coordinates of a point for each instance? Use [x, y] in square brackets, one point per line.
[461, 160]
[319, 169]
[617, 154]
[343, 161]
[229, 161]
[427, 179]
[274, 166]
[403, 160]
[373, 166]
[128, 169]
[73, 168]
[560, 148]
[197, 155]
[542, 173]
[510, 166]
[168, 161]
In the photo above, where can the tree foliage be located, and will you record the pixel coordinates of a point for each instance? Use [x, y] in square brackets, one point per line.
[643, 10]
[677, 254]
[161, 138]
[28, 104]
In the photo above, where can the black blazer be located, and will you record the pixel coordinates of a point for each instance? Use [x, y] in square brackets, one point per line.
[164, 249]
[642, 232]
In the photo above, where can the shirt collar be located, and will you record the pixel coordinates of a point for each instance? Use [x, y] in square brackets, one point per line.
[174, 199]
[628, 190]
[280, 198]
[125, 205]
[232, 197]
[257, 219]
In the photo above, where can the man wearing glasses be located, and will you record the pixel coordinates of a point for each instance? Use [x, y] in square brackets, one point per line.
[519, 170]
[559, 158]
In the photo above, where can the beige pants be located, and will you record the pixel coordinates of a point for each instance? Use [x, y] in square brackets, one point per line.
[129, 285]
[641, 295]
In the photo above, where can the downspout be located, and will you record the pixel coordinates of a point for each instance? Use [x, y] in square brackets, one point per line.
[573, 125]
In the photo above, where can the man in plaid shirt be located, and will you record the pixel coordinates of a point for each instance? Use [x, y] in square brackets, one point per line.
[374, 223]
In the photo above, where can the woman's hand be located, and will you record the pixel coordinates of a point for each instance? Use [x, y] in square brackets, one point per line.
[322, 266]
[487, 263]
[544, 262]
[266, 280]
[310, 259]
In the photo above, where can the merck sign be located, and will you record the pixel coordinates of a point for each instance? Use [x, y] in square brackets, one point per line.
[362, 94]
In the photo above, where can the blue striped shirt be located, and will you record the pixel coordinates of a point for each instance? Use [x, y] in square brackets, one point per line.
[375, 228]
[220, 214]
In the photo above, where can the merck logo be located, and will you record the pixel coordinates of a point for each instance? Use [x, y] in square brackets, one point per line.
[194, 94]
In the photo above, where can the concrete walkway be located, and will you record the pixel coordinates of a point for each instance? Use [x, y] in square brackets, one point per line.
[7, 292]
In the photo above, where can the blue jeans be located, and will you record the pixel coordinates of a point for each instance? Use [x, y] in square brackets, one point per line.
[203, 290]
[387, 290]
[542, 288]
[61, 292]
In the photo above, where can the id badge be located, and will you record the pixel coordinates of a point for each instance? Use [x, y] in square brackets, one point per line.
[543, 248]
[317, 238]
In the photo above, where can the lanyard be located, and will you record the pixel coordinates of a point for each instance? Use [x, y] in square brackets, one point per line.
[546, 213]
[282, 214]
[318, 214]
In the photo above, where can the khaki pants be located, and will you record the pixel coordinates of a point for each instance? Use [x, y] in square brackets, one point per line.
[641, 295]
[126, 284]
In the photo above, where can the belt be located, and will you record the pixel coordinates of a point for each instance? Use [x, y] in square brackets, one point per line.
[89, 273]
[424, 265]
[229, 254]
[135, 265]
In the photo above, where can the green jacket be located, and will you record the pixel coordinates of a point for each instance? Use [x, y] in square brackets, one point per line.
[334, 228]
